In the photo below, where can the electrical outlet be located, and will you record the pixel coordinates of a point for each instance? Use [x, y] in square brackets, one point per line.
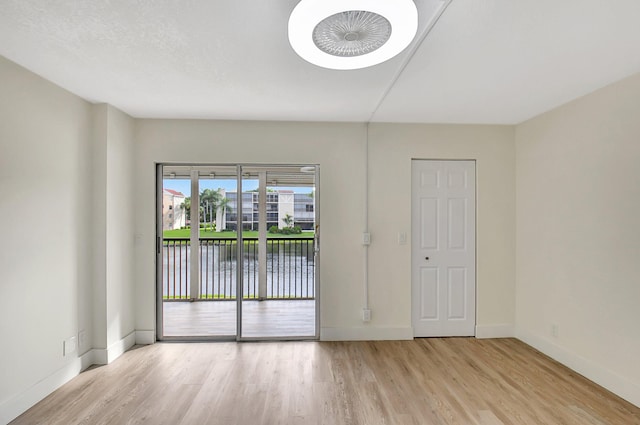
[366, 315]
[69, 346]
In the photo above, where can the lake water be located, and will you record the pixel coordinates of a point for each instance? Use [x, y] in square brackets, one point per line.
[290, 270]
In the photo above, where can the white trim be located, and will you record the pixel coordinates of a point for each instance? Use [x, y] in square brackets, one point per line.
[116, 349]
[20, 403]
[367, 333]
[100, 356]
[87, 359]
[613, 382]
[504, 330]
[108, 355]
[145, 337]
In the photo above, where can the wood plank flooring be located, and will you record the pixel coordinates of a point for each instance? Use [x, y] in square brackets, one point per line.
[269, 318]
[425, 381]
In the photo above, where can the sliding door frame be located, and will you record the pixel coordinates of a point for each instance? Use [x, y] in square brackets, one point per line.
[316, 252]
[240, 259]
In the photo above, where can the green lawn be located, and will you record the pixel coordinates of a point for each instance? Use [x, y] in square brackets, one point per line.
[184, 233]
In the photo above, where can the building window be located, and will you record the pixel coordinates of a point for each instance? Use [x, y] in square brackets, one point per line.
[309, 208]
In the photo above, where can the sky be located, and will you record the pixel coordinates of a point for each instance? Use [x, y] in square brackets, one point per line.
[184, 185]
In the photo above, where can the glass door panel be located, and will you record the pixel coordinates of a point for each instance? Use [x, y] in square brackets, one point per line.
[237, 252]
[198, 284]
[278, 249]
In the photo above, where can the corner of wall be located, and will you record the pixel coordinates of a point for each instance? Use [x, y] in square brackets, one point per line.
[597, 373]
[145, 337]
[503, 330]
[21, 402]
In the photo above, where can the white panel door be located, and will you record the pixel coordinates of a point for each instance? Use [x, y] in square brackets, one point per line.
[443, 248]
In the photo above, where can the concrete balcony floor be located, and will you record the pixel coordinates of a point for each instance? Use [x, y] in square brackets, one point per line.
[269, 318]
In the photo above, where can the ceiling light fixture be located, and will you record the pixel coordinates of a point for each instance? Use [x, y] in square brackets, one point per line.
[351, 34]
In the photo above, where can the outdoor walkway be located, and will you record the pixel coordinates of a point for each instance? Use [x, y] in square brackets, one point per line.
[270, 318]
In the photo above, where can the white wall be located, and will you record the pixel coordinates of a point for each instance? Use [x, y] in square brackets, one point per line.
[66, 260]
[99, 225]
[120, 234]
[45, 255]
[392, 147]
[340, 151]
[336, 147]
[113, 239]
[578, 235]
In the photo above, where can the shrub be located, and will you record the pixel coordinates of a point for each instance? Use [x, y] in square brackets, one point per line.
[295, 230]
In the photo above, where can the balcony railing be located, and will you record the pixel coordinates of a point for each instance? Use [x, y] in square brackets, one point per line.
[290, 269]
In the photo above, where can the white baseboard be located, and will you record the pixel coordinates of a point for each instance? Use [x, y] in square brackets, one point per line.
[613, 382]
[115, 350]
[118, 348]
[145, 337]
[365, 333]
[20, 403]
[504, 330]
[100, 356]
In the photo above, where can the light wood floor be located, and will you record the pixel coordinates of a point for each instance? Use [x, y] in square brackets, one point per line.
[269, 318]
[426, 381]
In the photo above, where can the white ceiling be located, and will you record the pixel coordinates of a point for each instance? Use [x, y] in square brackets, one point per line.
[484, 61]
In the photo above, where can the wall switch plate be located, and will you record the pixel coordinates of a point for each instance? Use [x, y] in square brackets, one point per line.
[69, 346]
[402, 238]
[366, 315]
[554, 330]
[366, 238]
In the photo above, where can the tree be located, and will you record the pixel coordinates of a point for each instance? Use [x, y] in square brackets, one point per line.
[186, 206]
[211, 202]
[288, 220]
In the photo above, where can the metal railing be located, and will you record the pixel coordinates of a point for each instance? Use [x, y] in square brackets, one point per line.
[290, 269]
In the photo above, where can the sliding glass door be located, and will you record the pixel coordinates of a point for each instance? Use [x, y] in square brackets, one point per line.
[253, 273]
[198, 284]
[279, 252]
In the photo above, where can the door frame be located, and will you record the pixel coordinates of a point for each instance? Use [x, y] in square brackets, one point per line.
[475, 257]
[159, 260]
[159, 331]
[316, 248]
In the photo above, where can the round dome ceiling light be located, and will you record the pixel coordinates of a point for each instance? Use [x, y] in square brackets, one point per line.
[353, 34]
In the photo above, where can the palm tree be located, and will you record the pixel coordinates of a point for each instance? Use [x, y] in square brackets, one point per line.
[288, 220]
[186, 206]
[211, 203]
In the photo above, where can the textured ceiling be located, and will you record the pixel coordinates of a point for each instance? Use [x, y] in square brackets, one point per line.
[484, 61]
